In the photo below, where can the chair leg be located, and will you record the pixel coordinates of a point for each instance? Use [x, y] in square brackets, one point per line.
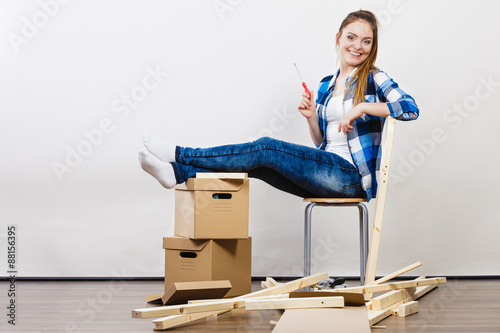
[307, 238]
[363, 240]
[366, 239]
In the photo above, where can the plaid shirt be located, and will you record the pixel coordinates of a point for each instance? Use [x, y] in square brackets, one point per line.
[365, 138]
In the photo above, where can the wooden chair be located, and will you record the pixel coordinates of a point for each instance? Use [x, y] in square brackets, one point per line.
[368, 258]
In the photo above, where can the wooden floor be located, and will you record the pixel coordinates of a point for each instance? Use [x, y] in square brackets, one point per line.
[458, 306]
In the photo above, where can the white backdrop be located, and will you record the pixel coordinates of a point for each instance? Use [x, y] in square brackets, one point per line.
[80, 80]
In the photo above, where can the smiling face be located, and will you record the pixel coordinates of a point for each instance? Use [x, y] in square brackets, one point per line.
[355, 43]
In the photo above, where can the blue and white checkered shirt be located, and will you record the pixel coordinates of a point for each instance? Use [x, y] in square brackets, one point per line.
[365, 138]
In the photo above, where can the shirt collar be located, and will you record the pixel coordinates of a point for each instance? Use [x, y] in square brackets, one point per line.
[332, 82]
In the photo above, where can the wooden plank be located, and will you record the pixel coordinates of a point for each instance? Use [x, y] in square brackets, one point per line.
[350, 299]
[421, 291]
[170, 310]
[388, 299]
[183, 319]
[233, 303]
[346, 320]
[169, 322]
[410, 291]
[272, 282]
[259, 297]
[375, 316]
[406, 309]
[397, 273]
[288, 286]
[294, 303]
[389, 286]
[268, 283]
[385, 163]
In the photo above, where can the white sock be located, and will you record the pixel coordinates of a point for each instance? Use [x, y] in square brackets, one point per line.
[162, 171]
[161, 149]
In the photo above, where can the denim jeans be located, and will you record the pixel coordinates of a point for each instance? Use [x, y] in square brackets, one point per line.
[299, 170]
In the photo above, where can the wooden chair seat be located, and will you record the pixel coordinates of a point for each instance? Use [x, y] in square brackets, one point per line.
[334, 200]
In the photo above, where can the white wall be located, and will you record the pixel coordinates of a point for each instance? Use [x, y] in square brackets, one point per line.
[225, 75]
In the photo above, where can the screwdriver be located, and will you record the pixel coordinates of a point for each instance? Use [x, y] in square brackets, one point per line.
[303, 83]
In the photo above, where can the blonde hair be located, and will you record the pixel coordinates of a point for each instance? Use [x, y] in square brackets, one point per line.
[369, 64]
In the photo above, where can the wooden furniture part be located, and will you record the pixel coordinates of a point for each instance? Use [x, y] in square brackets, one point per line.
[389, 286]
[350, 299]
[280, 296]
[392, 297]
[172, 321]
[285, 296]
[406, 309]
[375, 316]
[368, 258]
[397, 273]
[383, 180]
[268, 283]
[249, 304]
[392, 302]
[345, 320]
[294, 303]
[388, 299]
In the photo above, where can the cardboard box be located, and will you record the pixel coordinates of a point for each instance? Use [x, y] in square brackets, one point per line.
[182, 292]
[212, 208]
[209, 260]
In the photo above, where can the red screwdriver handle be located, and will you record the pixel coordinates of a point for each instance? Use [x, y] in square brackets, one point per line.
[305, 88]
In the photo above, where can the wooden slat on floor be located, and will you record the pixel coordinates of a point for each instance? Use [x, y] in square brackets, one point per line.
[458, 306]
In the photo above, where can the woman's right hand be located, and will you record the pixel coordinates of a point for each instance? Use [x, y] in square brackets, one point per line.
[307, 107]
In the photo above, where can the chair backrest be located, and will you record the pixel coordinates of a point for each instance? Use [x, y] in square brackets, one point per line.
[378, 217]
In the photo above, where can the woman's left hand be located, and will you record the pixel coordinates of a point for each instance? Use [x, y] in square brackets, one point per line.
[345, 124]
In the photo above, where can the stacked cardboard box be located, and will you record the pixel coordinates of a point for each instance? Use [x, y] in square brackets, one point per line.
[211, 232]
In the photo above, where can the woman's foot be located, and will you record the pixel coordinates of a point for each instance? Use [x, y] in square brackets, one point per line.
[162, 171]
[159, 148]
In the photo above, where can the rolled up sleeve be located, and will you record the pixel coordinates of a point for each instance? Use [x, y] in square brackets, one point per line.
[401, 105]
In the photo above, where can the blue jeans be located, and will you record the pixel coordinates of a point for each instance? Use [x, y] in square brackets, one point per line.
[299, 170]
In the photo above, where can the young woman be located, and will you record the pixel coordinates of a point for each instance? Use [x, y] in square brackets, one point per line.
[345, 123]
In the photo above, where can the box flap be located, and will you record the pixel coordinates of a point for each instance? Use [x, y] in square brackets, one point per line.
[212, 184]
[186, 244]
[154, 298]
[182, 292]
